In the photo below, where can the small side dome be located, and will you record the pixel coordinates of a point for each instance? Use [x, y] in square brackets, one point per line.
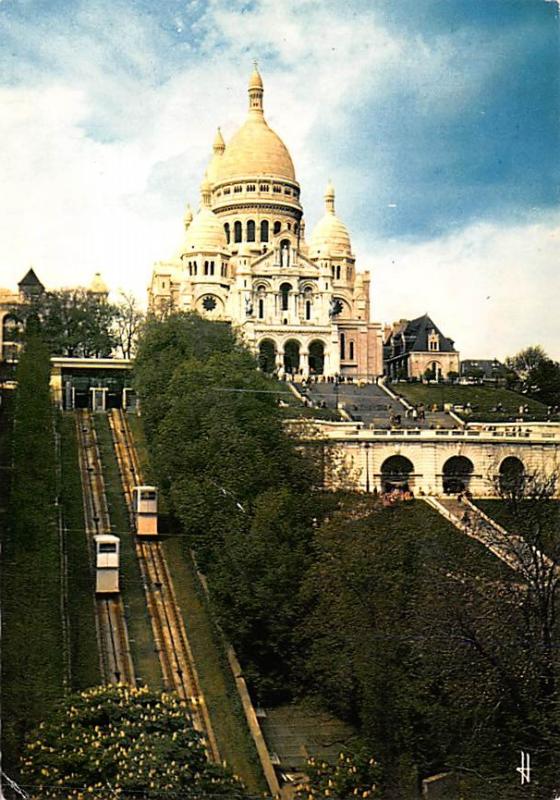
[98, 285]
[205, 233]
[330, 236]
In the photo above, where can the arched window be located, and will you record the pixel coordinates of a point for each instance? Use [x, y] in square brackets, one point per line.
[251, 231]
[285, 290]
[264, 230]
[308, 309]
[351, 348]
[285, 253]
[206, 267]
[342, 346]
[237, 232]
[338, 272]
[261, 308]
[226, 229]
[211, 268]
[277, 226]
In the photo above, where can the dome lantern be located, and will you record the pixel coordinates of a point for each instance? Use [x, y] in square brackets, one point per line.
[188, 218]
[219, 145]
[256, 91]
[329, 198]
[205, 192]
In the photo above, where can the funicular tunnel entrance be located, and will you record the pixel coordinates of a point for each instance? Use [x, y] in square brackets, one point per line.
[95, 390]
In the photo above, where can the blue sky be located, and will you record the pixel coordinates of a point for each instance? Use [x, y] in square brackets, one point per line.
[437, 120]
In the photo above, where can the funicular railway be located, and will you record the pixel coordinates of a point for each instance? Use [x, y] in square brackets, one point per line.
[174, 651]
[112, 633]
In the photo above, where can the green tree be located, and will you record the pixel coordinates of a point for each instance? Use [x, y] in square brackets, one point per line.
[353, 775]
[526, 360]
[119, 741]
[72, 322]
[430, 646]
[235, 480]
[32, 670]
[127, 324]
[538, 375]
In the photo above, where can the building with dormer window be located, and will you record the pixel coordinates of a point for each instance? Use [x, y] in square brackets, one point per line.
[417, 348]
[300, 305]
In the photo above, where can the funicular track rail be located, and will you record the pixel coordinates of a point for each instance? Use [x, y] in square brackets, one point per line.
[175, 654]
[112, 633]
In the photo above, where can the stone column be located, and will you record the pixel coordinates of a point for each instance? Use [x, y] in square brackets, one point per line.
[279, 359]
[304, 363]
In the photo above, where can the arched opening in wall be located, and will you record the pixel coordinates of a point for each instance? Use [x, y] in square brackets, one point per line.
[277, 226]
[267, 356]
[237, 231]
[511, 476]
[251, 231]
[338, 272]
[260, 305]
[342, 346]
[351, 350]
[396, 474]
[285, 289]
[285, 253]
[264, 230]
[316, 358]
[308, 309]
[227, 232]
[434, 371]
[291, 356]
[457, 472]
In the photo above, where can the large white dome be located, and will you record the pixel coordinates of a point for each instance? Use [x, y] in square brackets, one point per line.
[255, 149]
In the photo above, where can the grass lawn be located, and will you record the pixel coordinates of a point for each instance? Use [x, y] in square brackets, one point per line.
[523, 521]
[483, 400]
[144, 655]
[228, 719]
[84, 665]
[224, 706]
[440, 540]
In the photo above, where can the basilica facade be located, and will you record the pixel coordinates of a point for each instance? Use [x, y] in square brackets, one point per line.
[300, 305]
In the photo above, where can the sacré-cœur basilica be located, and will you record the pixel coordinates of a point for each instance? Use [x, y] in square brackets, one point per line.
[298, 303]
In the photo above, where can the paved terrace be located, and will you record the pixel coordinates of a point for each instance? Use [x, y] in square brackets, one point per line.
[372, 405]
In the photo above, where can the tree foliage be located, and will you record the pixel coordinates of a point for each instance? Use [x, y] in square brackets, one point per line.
[72, 322]
[235, 480]
[119, 741]
[430, 647]
[127, 324]
[354, 775]
[32, 637]
[537, 374]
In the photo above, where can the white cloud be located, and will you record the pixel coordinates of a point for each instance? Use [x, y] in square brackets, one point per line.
[101, 153]
[490, 287]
